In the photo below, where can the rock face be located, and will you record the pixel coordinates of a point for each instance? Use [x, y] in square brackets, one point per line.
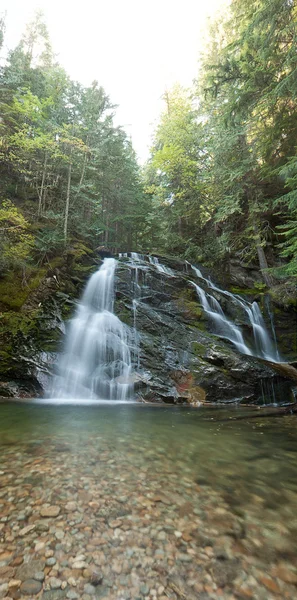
[180, 360]
[32, 319]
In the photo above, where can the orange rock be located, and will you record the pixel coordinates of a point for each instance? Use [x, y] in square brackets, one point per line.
[270, 584]
[285, 574]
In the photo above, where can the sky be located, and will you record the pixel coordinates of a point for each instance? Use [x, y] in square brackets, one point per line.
[135, 49]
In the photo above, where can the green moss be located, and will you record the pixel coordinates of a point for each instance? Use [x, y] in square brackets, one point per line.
[187, 294]
[124, 315]
[14, 323]
[56, 262]
[14, 293]
[83, 268]
[201, 325]
[246, 291]
[198, 349]
[79, 250]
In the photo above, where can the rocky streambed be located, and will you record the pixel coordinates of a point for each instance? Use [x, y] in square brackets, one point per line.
[133, 502]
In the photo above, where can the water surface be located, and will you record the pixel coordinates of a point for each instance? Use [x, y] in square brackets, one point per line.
[184, 501]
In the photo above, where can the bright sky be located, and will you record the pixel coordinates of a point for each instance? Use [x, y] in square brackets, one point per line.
[134, 48]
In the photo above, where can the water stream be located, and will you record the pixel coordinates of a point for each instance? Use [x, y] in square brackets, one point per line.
[264, 347]
[152, 498]
[96, 362]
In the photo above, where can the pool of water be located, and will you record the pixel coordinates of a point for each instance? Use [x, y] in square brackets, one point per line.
[151, 502]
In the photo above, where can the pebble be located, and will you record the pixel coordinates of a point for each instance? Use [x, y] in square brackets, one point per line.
[121, 534]
[50, 511]
[89, 589]
[54, 583]
[39, 576]
[178, 534]
[80, 564]
[72, 595]
[30, 587]
[26, 530]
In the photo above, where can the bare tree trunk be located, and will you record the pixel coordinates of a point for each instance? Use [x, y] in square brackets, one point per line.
[106, 230]
[116, 233]
[180, 226]
[83, 172]
[262, 258]
[67, 203]
[40, 194]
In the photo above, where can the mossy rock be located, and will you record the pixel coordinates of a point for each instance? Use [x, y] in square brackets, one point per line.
[14, 292]
[198, 349]
[188, 305]
[123, 313]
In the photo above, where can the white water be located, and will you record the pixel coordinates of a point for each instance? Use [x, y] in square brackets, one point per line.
[160, 267]
[96, 363]
[264, 347]
[223, 326]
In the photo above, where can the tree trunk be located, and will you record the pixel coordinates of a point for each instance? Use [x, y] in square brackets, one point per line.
[106, 230]
[67, 204]
[262, 258]
[179, 222]
[83, 172]
[42, 185]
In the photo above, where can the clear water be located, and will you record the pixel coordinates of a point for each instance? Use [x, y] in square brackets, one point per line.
[224, 479]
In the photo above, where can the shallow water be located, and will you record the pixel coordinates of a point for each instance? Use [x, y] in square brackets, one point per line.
[166, 502]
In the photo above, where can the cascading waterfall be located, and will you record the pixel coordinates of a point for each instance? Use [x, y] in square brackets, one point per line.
[224, 327]
[264, 347]
[100, 350]
[161, 268]
[96, 363]
[270, 314]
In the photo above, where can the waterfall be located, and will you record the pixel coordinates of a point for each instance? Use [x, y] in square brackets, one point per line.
[96, 363]
[223, 326]
[264, 347]
[270, 314]
[160, 267]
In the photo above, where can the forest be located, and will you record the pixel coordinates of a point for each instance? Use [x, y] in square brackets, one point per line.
[221, 177]
[148, 339]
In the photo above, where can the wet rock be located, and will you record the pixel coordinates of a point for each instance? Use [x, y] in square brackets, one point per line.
[54, 583]
[26, 530]
[193, 366]
[285, 574]
[50, 562]
[224, 572]
[39, 576]
[50, 511]
[53, 595]
[7, 572]
[27, 570]
[31, 587]
[89, 589]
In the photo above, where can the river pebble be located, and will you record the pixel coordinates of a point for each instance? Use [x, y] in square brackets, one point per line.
[130, 520]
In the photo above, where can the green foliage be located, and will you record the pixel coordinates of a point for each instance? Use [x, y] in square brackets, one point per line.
[221, 180]
[15, 241]
[223, 167]
[73, 172]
